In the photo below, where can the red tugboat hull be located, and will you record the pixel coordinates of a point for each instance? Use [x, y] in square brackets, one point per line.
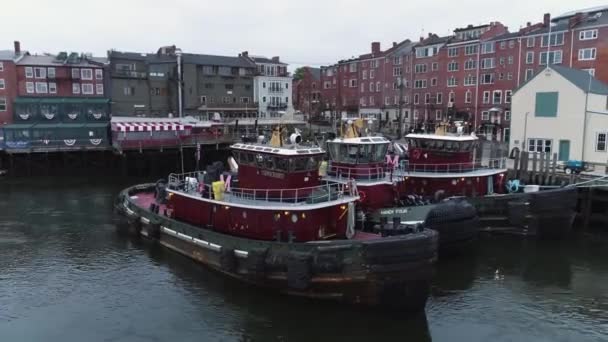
[391, 272]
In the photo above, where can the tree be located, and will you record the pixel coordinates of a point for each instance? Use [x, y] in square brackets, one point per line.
[298, 74]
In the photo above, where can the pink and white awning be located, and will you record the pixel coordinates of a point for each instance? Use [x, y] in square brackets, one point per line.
[149, 126]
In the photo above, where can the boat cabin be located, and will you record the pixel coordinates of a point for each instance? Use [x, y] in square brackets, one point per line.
[358, 158]
[433, 149]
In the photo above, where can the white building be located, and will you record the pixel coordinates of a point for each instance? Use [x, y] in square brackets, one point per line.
[272, 88]
[563, 111]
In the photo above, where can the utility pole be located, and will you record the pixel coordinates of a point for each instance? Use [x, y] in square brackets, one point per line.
[400, 128]
[178, 53]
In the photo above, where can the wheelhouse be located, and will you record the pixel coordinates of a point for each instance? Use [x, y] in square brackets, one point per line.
[359, 151]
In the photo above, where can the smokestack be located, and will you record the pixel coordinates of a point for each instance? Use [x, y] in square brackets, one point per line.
[547, 19]
[375, 47]
[17, 45]
[394, 44]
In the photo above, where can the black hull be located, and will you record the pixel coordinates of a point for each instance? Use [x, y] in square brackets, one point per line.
[389, 273]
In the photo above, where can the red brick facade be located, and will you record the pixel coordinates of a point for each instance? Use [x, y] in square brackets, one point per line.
[307, 92]
[8, 90]
[477, 68]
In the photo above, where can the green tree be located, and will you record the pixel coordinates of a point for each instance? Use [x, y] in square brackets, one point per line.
[298, 74]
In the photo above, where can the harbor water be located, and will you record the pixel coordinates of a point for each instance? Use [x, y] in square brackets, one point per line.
[66, 275]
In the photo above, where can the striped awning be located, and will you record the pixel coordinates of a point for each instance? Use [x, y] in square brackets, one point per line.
[148, 126]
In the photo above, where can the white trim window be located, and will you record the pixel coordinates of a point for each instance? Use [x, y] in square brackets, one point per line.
[42, 88]
[468, 97]
[353, 82]
[427, 98]
[420, 68]
[452, 81]
[600, 142]
[433, 81]
[530, 41]
[364, 74]
[371, 86]
[371, 101]
[415, 114]
[503, 45]
[453, 52]
[75, 73]
[451, 97]
[488, 63]
[497, 97]
[508, 94]
[75, 88]
[485, 115]
[416, 98]
[387, 101]
[486, 97]
[378, 87]
[556, 39]
[540, 145]
[29, 87]
[438, 114]
[1, 66]
[487, 79]
[418, 84]
[397, 71]
[586, 54]
[29, 72]
[529, 74]
[470, 64]
[452, 66]
[98, 74]
[50, 72]
[3, 105]
[507, 115]
[470, 50]
[530, 57]
[487, 47]
[99, 89]
[470, 80]
[86, 74]
[363, 87]
[587, 34]
[555, 57]
[372, 74]
[434, 66]
[2, 84]
[52, 88]
[40, 73]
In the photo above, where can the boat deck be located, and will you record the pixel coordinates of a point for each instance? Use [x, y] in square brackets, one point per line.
[144, 199]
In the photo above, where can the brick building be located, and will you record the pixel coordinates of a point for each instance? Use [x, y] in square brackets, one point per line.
[469, 75]
[307, 92]
[8, 82]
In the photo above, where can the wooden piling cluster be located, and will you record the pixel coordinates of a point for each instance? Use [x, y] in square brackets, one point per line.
[542, 171]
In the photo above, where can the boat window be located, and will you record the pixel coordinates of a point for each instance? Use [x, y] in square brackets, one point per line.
[380, 153]
[269, 162]
[440, 144]
[237, 156]
[352, 153]
[449, 145]
[282, 164]
[365, 154]
[313, 163]
[334, 151]
[259, 160]
[465, 146]
[250, 158]
[300, 164]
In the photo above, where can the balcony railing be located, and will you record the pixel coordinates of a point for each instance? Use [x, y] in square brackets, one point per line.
[478, 165]
[121, 142]
[129, 74]
[275, 90]
[192, 183]
[278, 106]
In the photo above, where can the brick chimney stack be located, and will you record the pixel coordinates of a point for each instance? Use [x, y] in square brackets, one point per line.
[275, 59]
[17, 45]
[547, 19]
[245, 54]
[375, 47]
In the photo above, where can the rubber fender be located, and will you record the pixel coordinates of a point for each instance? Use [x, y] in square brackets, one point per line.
[299, 270]
[328, 262]
[450, 211]
[134, 225]
[227, 259]
[256, 263]
[154, 231]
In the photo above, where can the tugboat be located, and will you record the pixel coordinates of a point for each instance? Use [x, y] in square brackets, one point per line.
[284, 229]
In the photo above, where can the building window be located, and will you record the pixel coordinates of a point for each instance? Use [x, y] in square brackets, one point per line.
[539, 145]
[129, 91]
[353, 82]
[468, 96]
[485, 116]
[419, 84]
[352, 67]
[371, 86]
[486, 97]
[453, 66]
[470, 50]
[555, 57]
[487, 78]
[509, 76]
[546, 104]
[453, 52]
[508, 94]
[52, 88]
[470, 80]
[586, 54]
[530, 41]
[507, 115]
[529, 74]
[387, 100]
[452, 82]
[501, 76]
[530, 57]
[511, 44]
[87, 88]
[362, 101]
[2, 104]
[438, 115]
[470, 64]
[397, 71]
[372, 74]
[371, 101]
[501, 61]
[497, 98]
[427, 98]
[420, 68]
[362, 87]
[587, 35]
[397, 60]
[488, 63]
[29, 72]
[378, 87]
[600, 142]
[2, 85]
[487, 47]
[50, 72]
[556, 39]
[1, 66]
[75, 73]
[29, 87]
[433, 81]
[364, 74]
[41, 88]
[40, 72]
[99, 89]
[98, 74]
[510, 60]
[416, 98]
[439, 98]
[86, 74]
[503, 45]
[451, 98]
[434, 66]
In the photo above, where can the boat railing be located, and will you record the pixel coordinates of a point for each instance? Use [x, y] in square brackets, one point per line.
[193, 183]
[478, 165]
[358, 173]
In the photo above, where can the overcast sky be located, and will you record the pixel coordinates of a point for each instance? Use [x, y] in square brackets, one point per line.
[313, 32]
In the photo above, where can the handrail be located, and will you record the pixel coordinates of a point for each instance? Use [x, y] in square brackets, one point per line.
[496, 163]
[190, 183]
[361, 173]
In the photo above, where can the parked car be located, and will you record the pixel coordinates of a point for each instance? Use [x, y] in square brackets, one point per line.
[577, 166]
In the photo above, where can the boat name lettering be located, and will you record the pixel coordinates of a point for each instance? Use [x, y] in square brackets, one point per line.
[272, 174]
[394, 211]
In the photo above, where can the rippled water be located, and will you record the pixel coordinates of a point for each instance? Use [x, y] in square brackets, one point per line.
[65, 275]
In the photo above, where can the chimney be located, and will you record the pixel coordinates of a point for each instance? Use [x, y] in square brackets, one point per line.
[245, 54]
[547, 19]
[430, 34]
[528, 24]
[375, 47]
[394, 44]
[275, 59]
[17, 45]
[421, 39]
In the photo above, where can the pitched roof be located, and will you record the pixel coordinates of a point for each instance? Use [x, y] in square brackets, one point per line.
[217, 60]
[262, 59]
[582, 79]
[434, 39]
[7, 55]
[138, 56]
[51, 60]
[315, 72]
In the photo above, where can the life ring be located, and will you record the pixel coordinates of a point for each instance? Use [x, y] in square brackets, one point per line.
[362, 196]
[416, 154]
[513, 186]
